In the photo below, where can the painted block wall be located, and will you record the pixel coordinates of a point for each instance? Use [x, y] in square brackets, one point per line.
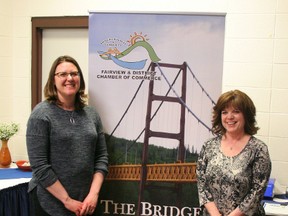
[255, 59]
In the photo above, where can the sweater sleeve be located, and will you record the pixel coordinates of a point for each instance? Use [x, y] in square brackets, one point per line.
[261, 172]
[204, 193]
[37, 140]
[101, 154]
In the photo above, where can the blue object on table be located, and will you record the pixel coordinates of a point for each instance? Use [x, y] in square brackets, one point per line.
[14, 173]
[269, 192]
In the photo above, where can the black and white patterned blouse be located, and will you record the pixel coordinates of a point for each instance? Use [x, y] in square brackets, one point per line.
[231, 182]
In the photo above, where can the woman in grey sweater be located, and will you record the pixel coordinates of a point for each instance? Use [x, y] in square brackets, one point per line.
[66, 146]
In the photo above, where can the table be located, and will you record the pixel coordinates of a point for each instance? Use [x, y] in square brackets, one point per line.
[277, 206]
[14, 199]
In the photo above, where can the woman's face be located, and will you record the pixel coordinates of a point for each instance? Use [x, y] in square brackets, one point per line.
[67, 80]
[232, 120]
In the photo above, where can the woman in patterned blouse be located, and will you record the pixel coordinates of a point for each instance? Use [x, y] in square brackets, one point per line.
[234, 167]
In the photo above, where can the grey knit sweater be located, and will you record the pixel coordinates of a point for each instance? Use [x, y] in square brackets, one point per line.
[69, 152]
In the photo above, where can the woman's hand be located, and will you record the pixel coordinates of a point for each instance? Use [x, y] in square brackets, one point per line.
[89, 204]
[73, 206]
[236, 212]
[212, 209]
[60, 193]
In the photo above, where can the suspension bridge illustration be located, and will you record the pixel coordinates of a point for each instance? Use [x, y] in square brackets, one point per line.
[180, 171]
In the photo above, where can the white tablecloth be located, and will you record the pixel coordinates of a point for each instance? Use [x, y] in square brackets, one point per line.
[5, 183]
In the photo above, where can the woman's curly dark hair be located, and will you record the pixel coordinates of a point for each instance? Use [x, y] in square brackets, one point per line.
[238, 100]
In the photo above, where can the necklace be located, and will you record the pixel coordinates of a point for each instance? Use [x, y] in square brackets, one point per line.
[238, 143]
[68, 111]
[71, 118]
[233, 146]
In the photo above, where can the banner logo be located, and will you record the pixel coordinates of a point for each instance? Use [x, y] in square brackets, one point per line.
[114, 54]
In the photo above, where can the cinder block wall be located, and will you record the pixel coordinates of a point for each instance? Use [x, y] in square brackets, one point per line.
[255, 58]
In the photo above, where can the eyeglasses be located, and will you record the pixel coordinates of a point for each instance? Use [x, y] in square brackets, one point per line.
[64, 75]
